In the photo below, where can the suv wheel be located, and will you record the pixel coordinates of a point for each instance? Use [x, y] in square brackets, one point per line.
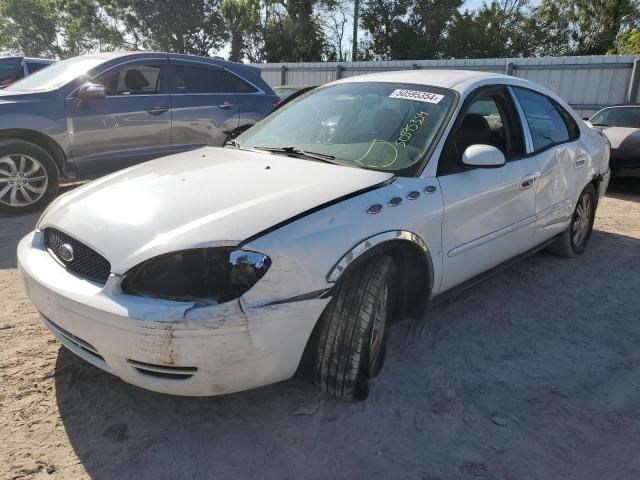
[29, 177]
[348, 345]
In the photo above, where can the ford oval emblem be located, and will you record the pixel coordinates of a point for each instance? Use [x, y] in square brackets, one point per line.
[66, 252]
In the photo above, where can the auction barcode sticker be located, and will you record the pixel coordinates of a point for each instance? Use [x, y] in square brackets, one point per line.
[416, 95]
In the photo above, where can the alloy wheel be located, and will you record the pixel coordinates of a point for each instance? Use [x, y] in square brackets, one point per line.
[23, 180]
[582, 220]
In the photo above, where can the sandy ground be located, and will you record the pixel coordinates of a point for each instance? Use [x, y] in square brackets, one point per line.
[533, 374]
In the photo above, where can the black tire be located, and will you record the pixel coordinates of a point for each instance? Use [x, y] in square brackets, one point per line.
[569, 243]
[49, 170]
[341, 359]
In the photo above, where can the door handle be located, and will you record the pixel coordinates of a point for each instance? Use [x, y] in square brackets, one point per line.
[225, 106]
[158, 110]
[528, 181]
[580, 161]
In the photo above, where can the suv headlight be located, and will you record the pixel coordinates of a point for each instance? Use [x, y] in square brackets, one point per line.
[216, 274]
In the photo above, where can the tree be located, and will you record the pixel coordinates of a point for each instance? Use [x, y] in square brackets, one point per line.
[188, 26]
[335, 15]
[584, 27]
[239, 21]
[85, 27]
[408, 29]
[628, 43]
[292, 32]
[504, 28]
[29, 27]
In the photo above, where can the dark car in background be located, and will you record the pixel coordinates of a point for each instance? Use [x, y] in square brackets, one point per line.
[95, 114]
[621, 125]
[288, 93]
[13, 69]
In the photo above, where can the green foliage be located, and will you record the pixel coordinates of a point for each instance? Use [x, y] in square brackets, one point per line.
[498, 29]
[29, 27]
[240, 20]
[584, 27]
[188, 26]
[628, 43]
[313, 30]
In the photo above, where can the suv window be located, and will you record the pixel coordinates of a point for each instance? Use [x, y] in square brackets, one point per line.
[133, 79]
[545, 121]
[489, 120]
[196, 79]
[33, 67]
[10, 72]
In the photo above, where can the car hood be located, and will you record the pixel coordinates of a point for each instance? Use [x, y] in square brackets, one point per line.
[622, 137]
[206, 197]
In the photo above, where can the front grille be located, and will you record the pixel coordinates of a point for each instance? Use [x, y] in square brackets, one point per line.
[85, 262]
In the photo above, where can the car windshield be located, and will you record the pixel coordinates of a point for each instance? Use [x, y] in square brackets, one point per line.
[381, 126]
[618, 117]
[56, 74]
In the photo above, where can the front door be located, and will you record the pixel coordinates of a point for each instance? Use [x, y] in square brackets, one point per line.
[205, 109]
[489, 213]
[131, 124]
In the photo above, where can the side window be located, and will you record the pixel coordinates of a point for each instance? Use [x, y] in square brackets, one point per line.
[489, 120]
[196, 79]
[33, 67]
[133, 79]
[572, 126]
[545, 122]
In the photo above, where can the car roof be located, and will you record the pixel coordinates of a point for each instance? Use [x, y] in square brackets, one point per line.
[178, 56]
[445, 78]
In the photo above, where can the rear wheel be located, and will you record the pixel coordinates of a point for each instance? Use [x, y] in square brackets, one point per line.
[573, 241]
[29, 177]
[348, 345]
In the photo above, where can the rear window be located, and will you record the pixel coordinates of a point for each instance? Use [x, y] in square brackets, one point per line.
[195, 79]
[33, 67]
[10, 71]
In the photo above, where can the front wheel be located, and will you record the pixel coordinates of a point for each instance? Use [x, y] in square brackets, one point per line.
[29, 177]
[573, 241]
[348, 345]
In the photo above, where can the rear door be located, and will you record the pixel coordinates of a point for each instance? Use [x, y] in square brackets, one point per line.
[131, 124]
[205, 109]
[555, 145]
[488, 212]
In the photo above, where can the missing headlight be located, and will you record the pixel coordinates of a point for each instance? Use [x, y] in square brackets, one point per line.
[213, 274]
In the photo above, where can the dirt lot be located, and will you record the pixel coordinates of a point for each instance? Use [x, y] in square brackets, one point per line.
[533, 374]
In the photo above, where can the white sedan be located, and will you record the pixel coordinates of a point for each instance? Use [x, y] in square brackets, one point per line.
[293, 249]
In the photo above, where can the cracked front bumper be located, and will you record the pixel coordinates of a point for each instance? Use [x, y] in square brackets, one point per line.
[165, 346]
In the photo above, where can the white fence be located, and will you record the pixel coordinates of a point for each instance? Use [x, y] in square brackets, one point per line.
[587, 83]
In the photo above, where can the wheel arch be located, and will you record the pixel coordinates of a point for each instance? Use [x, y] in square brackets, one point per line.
[415, 267]
[43, 141]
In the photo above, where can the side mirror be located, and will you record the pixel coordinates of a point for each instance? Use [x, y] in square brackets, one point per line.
[586, 119]
[483, 156]
[91, 91]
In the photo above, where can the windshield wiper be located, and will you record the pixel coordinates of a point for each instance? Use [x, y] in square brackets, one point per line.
[302, 153]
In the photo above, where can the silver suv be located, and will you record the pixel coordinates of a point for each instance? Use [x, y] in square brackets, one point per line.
[95, 114]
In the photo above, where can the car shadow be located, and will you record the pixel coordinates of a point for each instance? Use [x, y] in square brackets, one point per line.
[503, 372]
[625, 188]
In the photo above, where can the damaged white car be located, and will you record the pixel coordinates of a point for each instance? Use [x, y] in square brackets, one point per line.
[294, 248]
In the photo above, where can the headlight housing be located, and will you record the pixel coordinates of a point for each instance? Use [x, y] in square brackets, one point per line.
[218, 274]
